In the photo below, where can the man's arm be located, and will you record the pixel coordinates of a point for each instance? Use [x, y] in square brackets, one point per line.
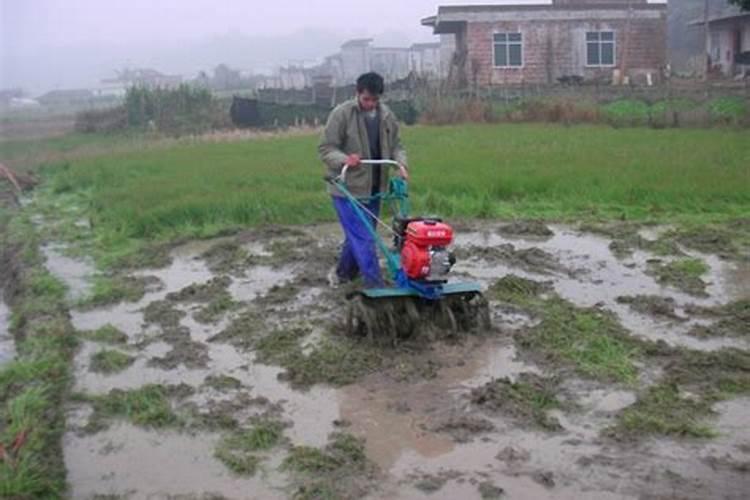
[331, 142]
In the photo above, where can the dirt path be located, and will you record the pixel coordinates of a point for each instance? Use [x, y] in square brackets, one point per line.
[199, 341]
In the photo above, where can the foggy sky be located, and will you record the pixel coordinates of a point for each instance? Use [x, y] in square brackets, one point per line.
[48, 44]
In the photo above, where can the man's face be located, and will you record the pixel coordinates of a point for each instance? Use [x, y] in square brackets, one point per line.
[368, 101]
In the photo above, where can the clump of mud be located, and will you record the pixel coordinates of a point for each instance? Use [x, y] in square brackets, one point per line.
[729, 240]
[203, 292]
[216, 309]
[228, 257]
[526, 228]
[489, 491]
[545, 478]
[431, 483]
[527, 400]
[626, 239]
[185, 351]
[533, 259]
[231, 413]
[243, 450]
[681, 402]
[149, 406]
[109, 361]
[512, 288]
[463, 428]
[214, 294]
[652, 305]
[107, 334]
[279, 294]
[119, 288]
[222, 382]
[163, 313]
[732, 320]
[336, 361]
[155, 256]
[243, 332]
[684, 274]
[664, 410]
[512, 455]
[193, 355]
[339, 470]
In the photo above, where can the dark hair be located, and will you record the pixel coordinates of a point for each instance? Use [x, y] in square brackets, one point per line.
[371, 82]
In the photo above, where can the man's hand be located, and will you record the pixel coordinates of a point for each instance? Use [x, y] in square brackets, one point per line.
[353, 160]
[403, 172]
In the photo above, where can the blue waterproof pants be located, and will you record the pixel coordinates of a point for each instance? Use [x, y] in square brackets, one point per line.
[358, 255]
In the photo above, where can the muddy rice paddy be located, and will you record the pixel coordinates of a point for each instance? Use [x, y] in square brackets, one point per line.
[231, 378]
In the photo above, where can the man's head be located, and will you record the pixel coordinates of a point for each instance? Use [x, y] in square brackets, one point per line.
[370, 87]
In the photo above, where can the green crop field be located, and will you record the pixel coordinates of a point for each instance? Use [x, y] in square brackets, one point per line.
[468, 171]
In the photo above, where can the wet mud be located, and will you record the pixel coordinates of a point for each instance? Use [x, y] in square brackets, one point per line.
[252, 388]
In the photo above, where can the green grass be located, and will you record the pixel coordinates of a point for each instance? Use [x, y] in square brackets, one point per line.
[107, 334]
[339, 470]
[589, 339]
[147, 406]
[236, 450]
[106, 361]
[336, 361]
[469, 170]
[662, 410]
[684, 274]
[111, 290]
[34, 385]
[342, 451]
[528, 399]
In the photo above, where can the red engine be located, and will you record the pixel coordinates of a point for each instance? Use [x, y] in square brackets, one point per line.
[424, 253]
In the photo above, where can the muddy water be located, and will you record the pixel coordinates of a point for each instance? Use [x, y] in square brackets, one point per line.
[7, 344]
[132, 461]
[596, 276]
[75, 273]
[136, 463]
[400, 420]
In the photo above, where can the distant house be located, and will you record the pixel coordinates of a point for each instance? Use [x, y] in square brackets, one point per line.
[140, 77]
[567, 40]
[355, 58]
[728, 39]
[394, 63]
[426, 59]
[75, 97]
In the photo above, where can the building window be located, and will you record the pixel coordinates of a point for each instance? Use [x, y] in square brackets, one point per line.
[600, 48]
[508, 50]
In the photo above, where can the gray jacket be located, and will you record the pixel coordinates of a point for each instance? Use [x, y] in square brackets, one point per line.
[345, 133]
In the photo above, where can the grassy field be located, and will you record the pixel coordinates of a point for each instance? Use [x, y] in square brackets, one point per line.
[551, 172]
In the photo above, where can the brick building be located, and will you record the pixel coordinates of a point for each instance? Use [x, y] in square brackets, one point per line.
[537, 44]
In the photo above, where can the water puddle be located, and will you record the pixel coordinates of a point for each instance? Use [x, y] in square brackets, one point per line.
[136, 463]
[7, 343]
[76, 273]
[400, 419]
[258, 280]
[596, 277]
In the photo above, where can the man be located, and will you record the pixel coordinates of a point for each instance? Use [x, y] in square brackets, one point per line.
[362, 128]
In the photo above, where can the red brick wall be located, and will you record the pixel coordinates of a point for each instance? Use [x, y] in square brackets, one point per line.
[555, 48]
